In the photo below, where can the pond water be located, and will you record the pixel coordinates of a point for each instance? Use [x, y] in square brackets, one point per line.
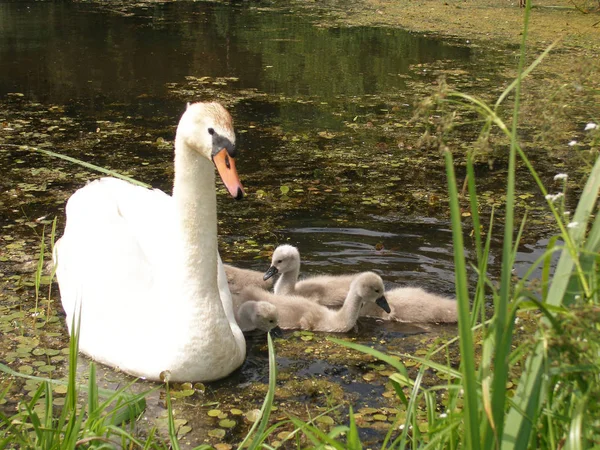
[327, 159]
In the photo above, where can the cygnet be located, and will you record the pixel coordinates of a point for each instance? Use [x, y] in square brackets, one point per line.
[329, 290]
[252, 315]
[296, 312]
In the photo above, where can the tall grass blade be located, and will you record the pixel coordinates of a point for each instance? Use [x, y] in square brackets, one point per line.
[503, 327]
[317, 436]
[259, 427]
[171, 421]
[92, 394]
[353, 441]
[81, 163]
[39, 271]
[467, 367]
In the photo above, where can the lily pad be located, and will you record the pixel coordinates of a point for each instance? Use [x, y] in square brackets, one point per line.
[327, 420]
[227, 423]
[253, 415]
[217, 433]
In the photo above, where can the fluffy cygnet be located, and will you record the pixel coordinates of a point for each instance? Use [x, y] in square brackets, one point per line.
[252, 315]
[329, 290]
[238, 279]
[416, 305]
[296, 312]
[407, 304]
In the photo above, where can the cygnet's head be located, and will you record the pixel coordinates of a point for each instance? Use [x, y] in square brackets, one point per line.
[286, 258]
[369, 287]
[264, 316]
[207, 128]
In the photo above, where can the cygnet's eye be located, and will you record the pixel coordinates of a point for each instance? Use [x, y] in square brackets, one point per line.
[377, 291]
[280, 261]
[211, 131]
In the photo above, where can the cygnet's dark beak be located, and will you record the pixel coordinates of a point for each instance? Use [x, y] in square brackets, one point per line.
[383, 304]
[270, 272]
[276, 332]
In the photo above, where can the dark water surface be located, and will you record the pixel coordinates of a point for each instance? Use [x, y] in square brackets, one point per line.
[62, 52]
[93, 64]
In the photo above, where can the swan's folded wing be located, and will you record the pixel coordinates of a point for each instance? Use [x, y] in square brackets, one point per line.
[106, 261]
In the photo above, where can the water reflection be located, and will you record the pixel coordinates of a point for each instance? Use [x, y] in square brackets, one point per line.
[61, 52]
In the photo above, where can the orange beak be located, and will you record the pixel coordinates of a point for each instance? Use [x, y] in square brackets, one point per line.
[226, 166]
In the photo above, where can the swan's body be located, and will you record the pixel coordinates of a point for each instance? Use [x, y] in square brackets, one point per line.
[252, 315]
[329, 290]
[141, 268]
[407, 304]
[296, 312]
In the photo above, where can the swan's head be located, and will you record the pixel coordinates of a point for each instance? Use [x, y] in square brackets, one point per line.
[369, 287]
[264, 316]
[286, 258]
[207, 128]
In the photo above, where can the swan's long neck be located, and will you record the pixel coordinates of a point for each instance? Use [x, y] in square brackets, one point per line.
[197, 306]
[350, 310]
[196, 210]
[286, 283]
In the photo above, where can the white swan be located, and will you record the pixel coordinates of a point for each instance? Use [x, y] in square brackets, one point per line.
[407, 304]
[254, 315]
[141, 268]
[296, 312]
[330, 290]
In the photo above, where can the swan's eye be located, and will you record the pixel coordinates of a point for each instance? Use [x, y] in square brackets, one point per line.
[280, 261]
[211, 131]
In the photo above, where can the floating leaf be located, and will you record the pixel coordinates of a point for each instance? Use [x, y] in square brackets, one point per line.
[60, 389]
[227, 423]
[27, 370]
[325, 420]
[179, 422]
[223, 446]
[182, 431]
[217, 433]
[369, 376]
[284, 190]
[253, 415]
[214, 412]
